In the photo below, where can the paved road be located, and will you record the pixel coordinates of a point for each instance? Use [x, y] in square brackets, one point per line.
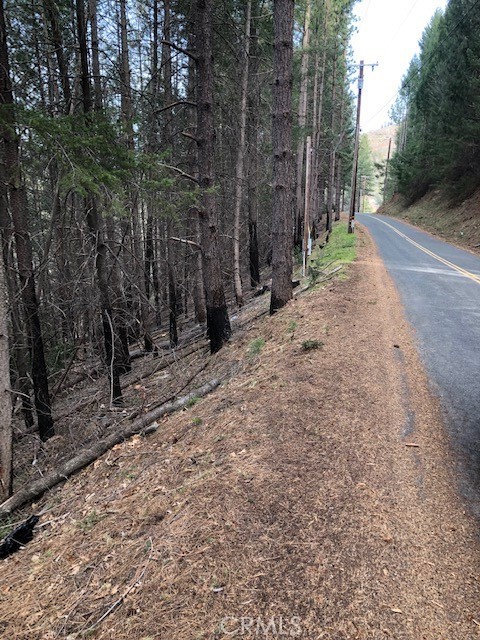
[440, 288]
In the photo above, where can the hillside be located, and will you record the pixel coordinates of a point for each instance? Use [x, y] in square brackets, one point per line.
[312, 493]
[434, 212]
[378, 141]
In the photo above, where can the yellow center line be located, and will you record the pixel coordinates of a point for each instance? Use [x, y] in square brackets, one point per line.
[453, 266]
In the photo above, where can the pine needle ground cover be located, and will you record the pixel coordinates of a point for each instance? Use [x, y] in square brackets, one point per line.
[289, 497]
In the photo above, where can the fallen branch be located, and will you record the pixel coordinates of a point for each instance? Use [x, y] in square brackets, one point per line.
[89, 455]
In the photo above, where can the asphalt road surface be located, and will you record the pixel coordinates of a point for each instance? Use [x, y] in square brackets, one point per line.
[440, 288]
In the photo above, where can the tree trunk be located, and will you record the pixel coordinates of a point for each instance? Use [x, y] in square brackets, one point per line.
[282, 236]
[5, 397]
[18, 207]
[253, 177]
[51, 11]
[332, 155]
[95, 227]
[97, 86]
[240, 164]
[218, 322]
[169, 143]
[302, 121]
[127, 117]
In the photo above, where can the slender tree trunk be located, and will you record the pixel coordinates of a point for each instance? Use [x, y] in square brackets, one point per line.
[317, 126]
[127, 116]
[253, 177]
[95, 227]
[5, 397]
[51, 11]
[338, 175]
[218, 322]
[240, 164]
[198, 292]
[169, 142]
[18, 207]
[302, 121]
[97, 86]
[282, 236]
[332, 155]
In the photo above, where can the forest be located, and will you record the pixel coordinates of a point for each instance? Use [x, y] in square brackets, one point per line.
[438, 109]
[162, 162]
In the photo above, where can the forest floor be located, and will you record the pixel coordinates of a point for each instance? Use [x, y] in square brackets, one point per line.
[313, 495]
[459, 224]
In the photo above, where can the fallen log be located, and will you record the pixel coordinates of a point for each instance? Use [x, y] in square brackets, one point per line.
[88, 455]
[166, 362]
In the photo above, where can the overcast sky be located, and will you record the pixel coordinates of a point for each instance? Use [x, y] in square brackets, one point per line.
[388, 33]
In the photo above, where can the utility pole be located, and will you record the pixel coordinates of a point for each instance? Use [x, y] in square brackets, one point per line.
[364, 192]
[351, 217]
[386, 170]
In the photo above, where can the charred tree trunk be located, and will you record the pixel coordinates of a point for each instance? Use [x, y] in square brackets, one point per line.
[282, 236]
[18, 207]
[5, 397]
[218, 322]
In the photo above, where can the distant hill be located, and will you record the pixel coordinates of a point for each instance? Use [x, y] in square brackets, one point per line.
[378, 141]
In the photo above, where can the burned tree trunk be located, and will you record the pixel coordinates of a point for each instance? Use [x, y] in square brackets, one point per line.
[282, 156]
[18, 206]
[218, 322]
[5, 397]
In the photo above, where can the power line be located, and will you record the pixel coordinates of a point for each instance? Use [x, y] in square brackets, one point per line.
[425, 62]
[405, 20]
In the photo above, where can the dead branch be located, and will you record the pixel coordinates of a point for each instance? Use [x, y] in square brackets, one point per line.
[178, 103]
[185, 241]
[89, 455]
[180, 172]
[179, 49]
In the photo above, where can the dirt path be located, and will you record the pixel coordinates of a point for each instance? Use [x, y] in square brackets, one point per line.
[288, 503]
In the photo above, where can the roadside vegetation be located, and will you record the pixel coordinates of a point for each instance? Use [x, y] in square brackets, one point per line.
[338, 252]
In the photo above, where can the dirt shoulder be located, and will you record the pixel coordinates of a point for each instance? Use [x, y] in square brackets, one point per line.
[290, 497]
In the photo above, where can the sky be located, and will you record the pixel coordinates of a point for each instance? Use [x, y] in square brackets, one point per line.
[388, 32]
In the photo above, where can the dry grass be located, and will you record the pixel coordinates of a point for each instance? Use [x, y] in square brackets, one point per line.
[288, 492]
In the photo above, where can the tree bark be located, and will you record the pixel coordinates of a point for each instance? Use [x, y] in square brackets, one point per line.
[240, 164]
[333, 154]
[218, 322]
[51, 11]
[282, 236]
[95, 227]
[254, 103]
[169, 144]
[18, 207]
[127, 117]
[5, 396]
[302, 121]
